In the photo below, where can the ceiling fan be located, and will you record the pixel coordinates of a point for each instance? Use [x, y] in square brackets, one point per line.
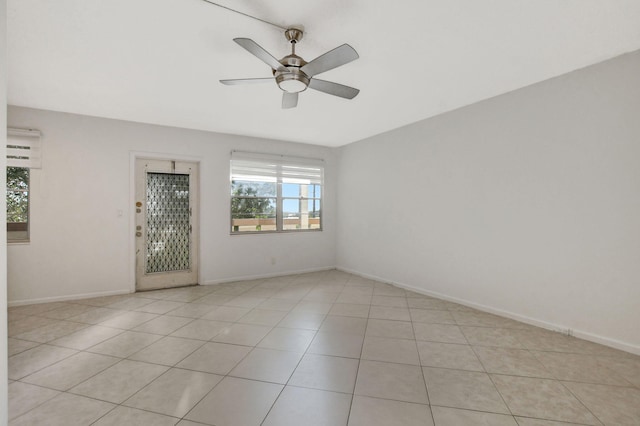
[293, 74]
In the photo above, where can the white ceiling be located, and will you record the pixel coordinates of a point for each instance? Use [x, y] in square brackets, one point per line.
[159, 61]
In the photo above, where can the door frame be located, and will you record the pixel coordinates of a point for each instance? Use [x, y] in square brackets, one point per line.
[141, 155]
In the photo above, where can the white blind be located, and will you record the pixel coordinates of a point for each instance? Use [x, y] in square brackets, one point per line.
[24, 148]
[248, 166]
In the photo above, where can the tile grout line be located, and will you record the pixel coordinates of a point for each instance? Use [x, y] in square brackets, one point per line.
[296, 367]
[355, 383]
[310, 288]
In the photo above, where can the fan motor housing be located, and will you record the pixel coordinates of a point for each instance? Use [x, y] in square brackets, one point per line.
[293, 60]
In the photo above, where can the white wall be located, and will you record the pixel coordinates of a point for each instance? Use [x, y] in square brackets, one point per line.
[79, 244]
[526, 204]
[4, 417]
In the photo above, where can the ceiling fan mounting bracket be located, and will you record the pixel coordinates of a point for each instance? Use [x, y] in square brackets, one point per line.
[293, 35]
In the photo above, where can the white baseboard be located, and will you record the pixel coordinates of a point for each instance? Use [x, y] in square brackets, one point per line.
[66, 298]
[581, 334]
[117, 292]
[271, 275]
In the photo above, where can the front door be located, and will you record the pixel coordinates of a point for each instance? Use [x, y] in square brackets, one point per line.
[166, 224]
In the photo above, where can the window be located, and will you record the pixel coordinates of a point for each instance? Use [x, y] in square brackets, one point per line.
[275, 193]
[17, 203]
[23, 154]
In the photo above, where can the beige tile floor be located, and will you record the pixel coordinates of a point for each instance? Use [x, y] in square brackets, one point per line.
[324, 348]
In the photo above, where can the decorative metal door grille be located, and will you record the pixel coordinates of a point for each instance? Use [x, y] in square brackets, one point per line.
[168, 223]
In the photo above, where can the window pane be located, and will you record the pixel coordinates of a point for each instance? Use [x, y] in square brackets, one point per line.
[253, 214]
[253, 189]
[290, 190]
[168, 223]
[17, 178]
[314, 208]
[301, 190]
[17, 206]
[291, 214]
[314, 214]
[300, 214]
[17, 203]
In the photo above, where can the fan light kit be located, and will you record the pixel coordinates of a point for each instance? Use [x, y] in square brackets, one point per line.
[293, 74]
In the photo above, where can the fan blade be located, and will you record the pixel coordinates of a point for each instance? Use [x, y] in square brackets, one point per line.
[289, 100]
[334, 89]
[334, 58]
[247, 81]
[256, 50]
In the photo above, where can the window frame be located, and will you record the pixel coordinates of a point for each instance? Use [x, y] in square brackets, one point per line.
[279, 178]
[24, 150]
